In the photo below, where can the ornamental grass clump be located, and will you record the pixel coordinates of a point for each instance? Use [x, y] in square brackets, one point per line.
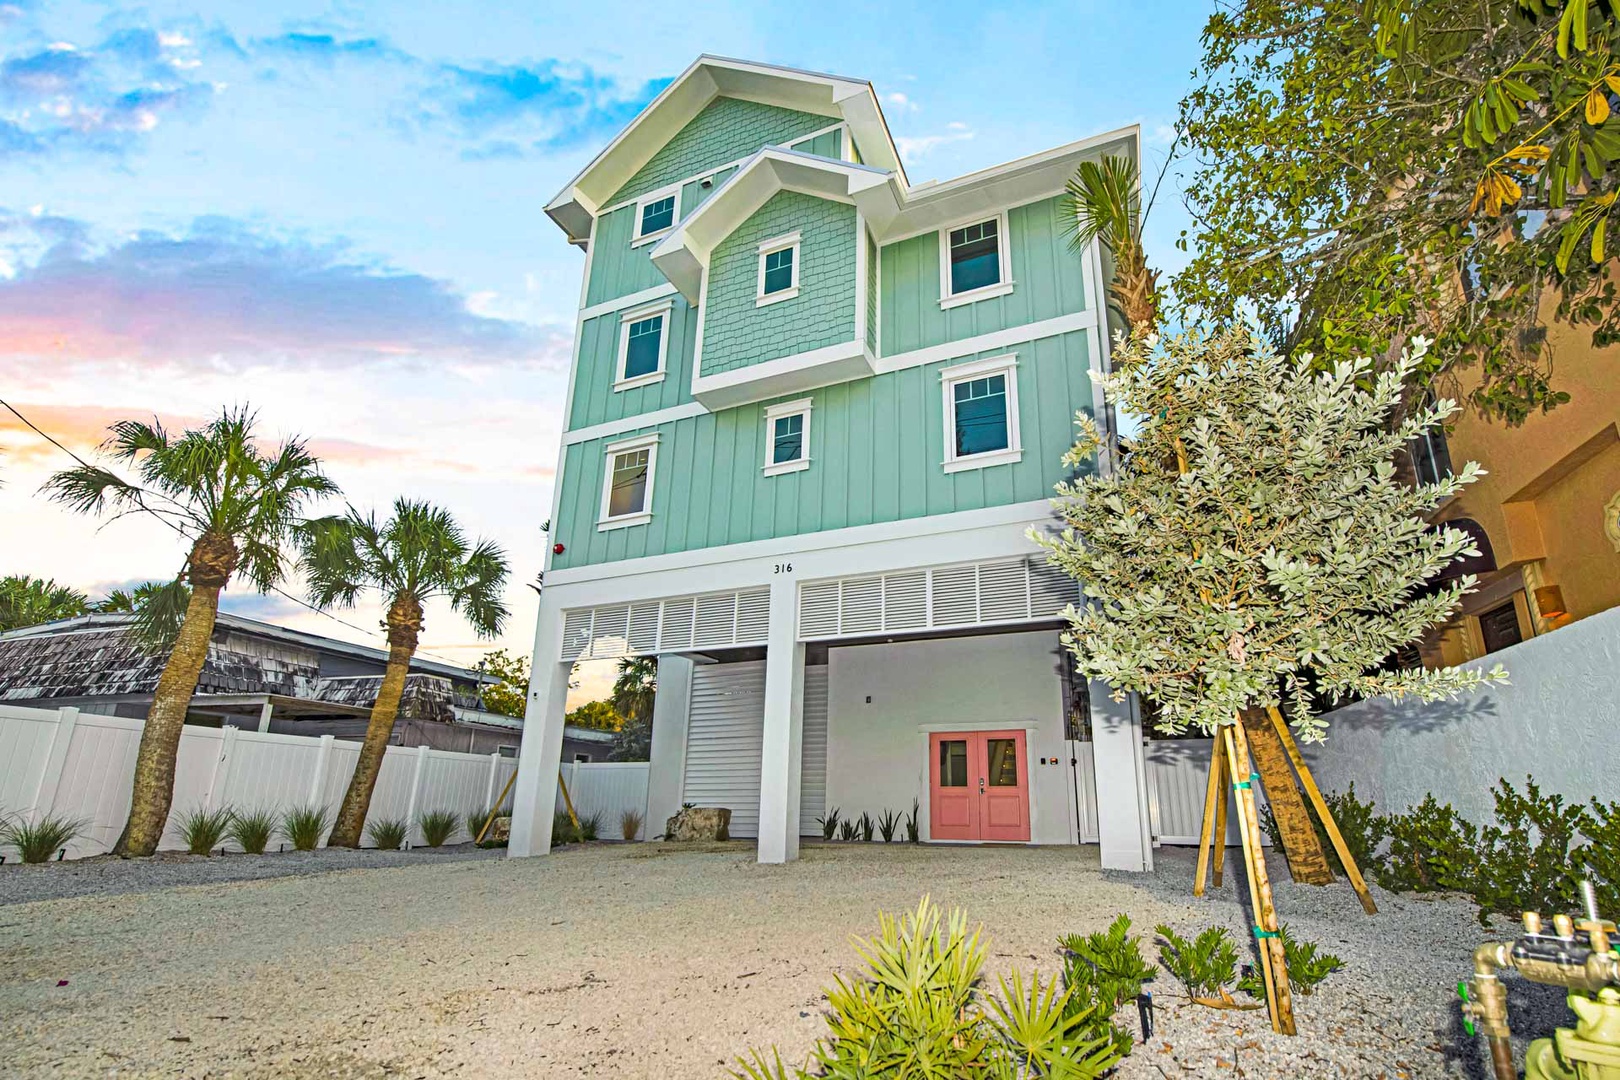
[438, 826]
[918, 1010]
[389, 834]
[630, 823]
[202, 830]
[251, 830]
[37, 841]
[305, 826]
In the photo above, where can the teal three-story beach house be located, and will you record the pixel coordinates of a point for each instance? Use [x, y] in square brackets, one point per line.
[813, 411]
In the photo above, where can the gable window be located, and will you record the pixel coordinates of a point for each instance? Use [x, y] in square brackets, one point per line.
[627, 482]
[974, 263]
[981, 414]
[656, 213]
[778, 270]
[643, 345]
[787, 437]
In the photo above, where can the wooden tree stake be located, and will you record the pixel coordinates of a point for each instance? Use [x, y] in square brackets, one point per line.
[1211, 793]
[1273, 962]
[495, 810]
[1224, 773]
[1351, 870]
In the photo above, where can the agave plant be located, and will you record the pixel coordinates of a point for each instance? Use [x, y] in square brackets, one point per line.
[829, 823]
[847, 830]
[913, 834]
[866, 825]
[202, 830]
[887, 824]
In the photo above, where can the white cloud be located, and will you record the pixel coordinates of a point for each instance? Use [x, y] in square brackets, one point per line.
[900, 102]
[916, 147]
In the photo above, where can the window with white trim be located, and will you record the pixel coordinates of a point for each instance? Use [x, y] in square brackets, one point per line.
[657, 212]
[973, 261]
[643, 344]
[981, 414]
[627, 482]
[778, 269]
[787, 437]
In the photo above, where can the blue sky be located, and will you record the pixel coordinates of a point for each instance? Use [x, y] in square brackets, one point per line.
[333, 212]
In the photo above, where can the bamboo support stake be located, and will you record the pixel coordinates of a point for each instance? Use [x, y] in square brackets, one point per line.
[1279, 995]
[568, 802]
[1220, 812]
[1210, 796]
[495, 811]
[1351, 870]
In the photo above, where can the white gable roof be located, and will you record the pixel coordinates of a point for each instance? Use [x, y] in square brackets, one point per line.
[850, 100]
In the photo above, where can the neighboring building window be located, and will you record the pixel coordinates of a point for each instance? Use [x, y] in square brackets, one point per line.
[643, 345]
[507, 750]
[981, 414]
[1499, 627]
[627, 487]
[778, 269]
[974, 262]
[582, 759]
[787, 437]
[657, 212]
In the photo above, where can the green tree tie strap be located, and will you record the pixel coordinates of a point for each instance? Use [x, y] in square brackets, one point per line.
[1259, 933]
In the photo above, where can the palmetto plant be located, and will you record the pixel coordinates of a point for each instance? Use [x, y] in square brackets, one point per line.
[1104, 202]
[236, 506]
[417, 555]
[202, 829]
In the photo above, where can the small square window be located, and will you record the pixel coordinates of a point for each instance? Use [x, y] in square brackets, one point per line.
[627, 486]
[981, 414]
[657, 215]
[975, 257]
[787, 437]
[778, 270]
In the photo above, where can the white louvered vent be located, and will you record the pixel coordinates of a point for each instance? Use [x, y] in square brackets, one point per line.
[576, 634]
[677, 623]
[861, 606]
[611, 634]
[754, 615]
[1003, 591]
[975, 594]
[1050, 589]
[818, 610]
[716, 621]
[955, 591]
[643, 627]
[905, 601]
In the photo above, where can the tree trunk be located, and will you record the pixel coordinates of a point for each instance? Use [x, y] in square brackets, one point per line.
[1307, 862]
[404, 623]
[213, 558]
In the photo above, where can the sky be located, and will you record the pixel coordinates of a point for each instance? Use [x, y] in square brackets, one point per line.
[332, 214]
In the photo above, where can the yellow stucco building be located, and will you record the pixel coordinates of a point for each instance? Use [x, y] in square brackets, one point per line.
[1548, 510]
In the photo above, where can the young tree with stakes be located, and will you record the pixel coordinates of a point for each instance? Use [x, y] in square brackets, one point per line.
[237, 506]
[415, 556]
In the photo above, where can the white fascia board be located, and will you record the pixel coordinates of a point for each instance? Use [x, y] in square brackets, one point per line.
[787, 375]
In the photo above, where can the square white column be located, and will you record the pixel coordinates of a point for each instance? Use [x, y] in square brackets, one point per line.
[784, 729]
[666, 767]
[1124, 831]
[534, 798]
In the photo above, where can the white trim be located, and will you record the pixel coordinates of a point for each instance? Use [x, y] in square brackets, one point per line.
[660, 310]
[997, 339]
[800, 407]
[625, 424]
[619, 303]
[573, 361]
[637, 237]
[861, 272]
[771, 247]
[785, 375]
[1007, 365]
[611, 451]
[1004, 284]
[981, 725]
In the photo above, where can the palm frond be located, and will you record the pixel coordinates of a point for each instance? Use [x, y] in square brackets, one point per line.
[478, 596]
[91, 489]
[1103, 201]
[128, 439]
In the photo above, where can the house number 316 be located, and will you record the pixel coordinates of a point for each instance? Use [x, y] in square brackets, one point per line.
[784, 568]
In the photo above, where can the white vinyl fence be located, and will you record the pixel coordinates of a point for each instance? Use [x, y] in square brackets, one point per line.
[1178, 777]
[82, 765]
[605, 790]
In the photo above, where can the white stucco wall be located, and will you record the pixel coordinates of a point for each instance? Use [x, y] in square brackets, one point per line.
[1557, 723]
[877, 758]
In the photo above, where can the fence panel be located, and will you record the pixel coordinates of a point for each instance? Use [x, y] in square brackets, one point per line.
[26, 739]
[1178, 777]
[607, 789]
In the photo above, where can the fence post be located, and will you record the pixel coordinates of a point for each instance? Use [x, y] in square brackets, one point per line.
[317, 783]
[494, 771]
[416, 788]
[50, 777]
[220, 779]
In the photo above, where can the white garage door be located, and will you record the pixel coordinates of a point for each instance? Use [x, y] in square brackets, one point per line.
[724, 736]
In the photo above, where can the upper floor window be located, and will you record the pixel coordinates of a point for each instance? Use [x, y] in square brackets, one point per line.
[657, 212]
[643, 344]
[778, 269]
[627, 483]
[981, 414]
[787, 437]
[974, 262]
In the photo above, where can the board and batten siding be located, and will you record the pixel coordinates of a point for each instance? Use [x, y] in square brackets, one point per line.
[1048, 280]
[876, 448]
[595, 400]
[725, 738]
[737, 332]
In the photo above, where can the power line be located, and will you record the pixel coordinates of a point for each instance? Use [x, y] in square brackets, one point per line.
[278, 590]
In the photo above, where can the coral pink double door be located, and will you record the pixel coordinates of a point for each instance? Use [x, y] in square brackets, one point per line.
[978, 786]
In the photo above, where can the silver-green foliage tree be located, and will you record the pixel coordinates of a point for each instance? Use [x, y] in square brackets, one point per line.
[1255, 543]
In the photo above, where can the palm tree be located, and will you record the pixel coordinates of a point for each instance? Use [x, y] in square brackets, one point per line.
[634, 692]
[28, 601]
[1104, 202]
[237, 508]
[418, 554]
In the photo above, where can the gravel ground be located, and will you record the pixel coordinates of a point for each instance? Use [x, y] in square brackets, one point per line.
[640, 961]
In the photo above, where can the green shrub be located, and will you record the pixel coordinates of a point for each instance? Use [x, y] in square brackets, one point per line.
[305, 826]
[847, 830]
[630, 824]
[829, 823]
[917, 1011]
[1431, 848]
[251, 831]
[866, 825]
[912, 833]
[1362, 828]
[887, 824]
[563, 831]
[37, 841]
[437, 826]
[589, 826]
[1205, 966]
[1104, 971]
[1306, 966]
[1601, 858]
[202, 830]
[1526, 860]
[389, 834]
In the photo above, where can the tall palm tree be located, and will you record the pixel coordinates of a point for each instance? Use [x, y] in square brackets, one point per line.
[1104, 202]
[29, 601]
[237, 507]
[418, 554]
[634, 692]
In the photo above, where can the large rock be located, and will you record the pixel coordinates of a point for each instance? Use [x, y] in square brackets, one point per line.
[699, 823]
[500, 831]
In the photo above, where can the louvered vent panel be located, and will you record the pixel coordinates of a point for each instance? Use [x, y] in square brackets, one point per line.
[1050, 589]
[716, 621]
[956, 600]
[576, 634]
[1003, 592]
[677, 629]
[818, 610]
[905, 601]
[753, 616]
[644, 627]
[862, 606]
[611, 634]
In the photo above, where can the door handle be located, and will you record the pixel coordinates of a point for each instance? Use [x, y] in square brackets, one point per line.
[981, 785]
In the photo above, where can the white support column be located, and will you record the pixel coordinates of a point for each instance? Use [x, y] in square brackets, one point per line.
[1123, 830]
[534, 798]
[666, 768]
[784, 729]
[264, 716]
